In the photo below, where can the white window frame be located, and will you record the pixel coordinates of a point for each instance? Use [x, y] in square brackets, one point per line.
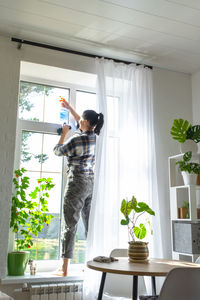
[48, 128]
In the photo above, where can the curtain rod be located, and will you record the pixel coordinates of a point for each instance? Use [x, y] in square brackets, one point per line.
[21, 41]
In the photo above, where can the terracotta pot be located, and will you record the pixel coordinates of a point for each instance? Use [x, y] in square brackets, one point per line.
[183, 213]
[138, 251]
[198, 179]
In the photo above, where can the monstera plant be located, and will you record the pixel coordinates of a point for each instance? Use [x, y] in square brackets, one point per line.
[182, 130]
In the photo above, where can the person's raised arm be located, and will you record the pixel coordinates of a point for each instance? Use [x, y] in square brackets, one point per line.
[65, 130]
[65, 104]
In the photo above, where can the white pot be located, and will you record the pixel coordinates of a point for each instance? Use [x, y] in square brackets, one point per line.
[189, 179]
[189, 145]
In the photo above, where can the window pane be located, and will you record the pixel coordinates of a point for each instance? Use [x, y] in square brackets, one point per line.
[31, 101]
[40, 102]
[38, 159]
[52, 104]
[85, 101]
[31, 150]
[37, 152]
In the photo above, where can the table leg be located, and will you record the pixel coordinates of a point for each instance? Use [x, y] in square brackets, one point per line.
[153, 284]
[103, 278]
[135, 287]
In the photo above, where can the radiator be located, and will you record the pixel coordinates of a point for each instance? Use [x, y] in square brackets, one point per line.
[60, 291]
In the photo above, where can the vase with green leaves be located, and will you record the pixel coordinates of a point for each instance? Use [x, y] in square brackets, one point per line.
[132, 211]
[186, 134]
[29, 213]
[188, 169]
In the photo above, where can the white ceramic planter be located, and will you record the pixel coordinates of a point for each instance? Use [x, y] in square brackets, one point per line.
[189, 179]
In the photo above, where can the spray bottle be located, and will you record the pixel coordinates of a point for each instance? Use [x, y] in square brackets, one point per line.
[64, 115]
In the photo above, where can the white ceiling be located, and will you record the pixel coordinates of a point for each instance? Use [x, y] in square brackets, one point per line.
[162, 33]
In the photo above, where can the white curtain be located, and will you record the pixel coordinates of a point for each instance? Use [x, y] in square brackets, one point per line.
[125, 160]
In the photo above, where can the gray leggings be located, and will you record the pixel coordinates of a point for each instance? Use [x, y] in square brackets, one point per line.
[77, 200]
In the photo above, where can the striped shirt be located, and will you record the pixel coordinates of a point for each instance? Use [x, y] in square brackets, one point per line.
[80, 152]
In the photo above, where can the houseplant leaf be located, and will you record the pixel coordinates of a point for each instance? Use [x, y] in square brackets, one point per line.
[125, 207]
[140, 232]
[187, 156]
[179, 130]
[145, 207]
[125, 222]
[193, 133]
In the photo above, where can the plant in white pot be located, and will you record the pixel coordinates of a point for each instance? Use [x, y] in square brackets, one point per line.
[132, 211]
[189, 170]
[29, 213]
[186, 134]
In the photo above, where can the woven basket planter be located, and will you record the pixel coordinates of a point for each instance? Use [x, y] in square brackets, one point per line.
[138, 252]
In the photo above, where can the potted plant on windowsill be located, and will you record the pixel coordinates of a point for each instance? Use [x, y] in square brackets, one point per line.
[132, 211]
[189, 170]
[29, 213]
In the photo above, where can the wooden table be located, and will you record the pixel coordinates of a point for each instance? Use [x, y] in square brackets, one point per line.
[155, 267]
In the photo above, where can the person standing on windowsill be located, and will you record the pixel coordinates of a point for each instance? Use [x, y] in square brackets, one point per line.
[80, 152]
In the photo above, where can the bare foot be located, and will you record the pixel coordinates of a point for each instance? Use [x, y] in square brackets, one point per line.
[63, 270]
[60, 272]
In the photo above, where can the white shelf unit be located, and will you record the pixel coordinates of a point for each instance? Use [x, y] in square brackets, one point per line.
[179, 194]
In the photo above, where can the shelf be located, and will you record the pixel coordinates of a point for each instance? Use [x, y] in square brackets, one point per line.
[197, 187]
[185, 256]
[179, 156]
[175, 177]
[186, 220]
[185, 232]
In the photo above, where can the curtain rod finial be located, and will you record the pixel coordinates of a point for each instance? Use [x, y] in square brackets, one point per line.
[19, 45]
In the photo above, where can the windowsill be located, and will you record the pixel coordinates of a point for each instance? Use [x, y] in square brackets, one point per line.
[45, 277]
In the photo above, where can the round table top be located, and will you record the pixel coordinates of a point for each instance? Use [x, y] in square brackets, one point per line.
[154, 267]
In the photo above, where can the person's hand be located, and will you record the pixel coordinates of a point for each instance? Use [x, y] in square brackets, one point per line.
[65, 104]
[65, 129]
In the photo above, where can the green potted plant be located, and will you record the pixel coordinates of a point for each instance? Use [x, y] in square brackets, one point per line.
[189, 170]
[132, 211]
[29, 213]
[186, 134]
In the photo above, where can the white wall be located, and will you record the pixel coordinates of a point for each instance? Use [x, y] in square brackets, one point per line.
[172, 93]
[172, 99]
[196, 98]
[9, 74]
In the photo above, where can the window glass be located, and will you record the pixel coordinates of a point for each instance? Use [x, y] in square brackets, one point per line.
[38, 159]
[40, 102]
[85, 101]
[52, 104]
